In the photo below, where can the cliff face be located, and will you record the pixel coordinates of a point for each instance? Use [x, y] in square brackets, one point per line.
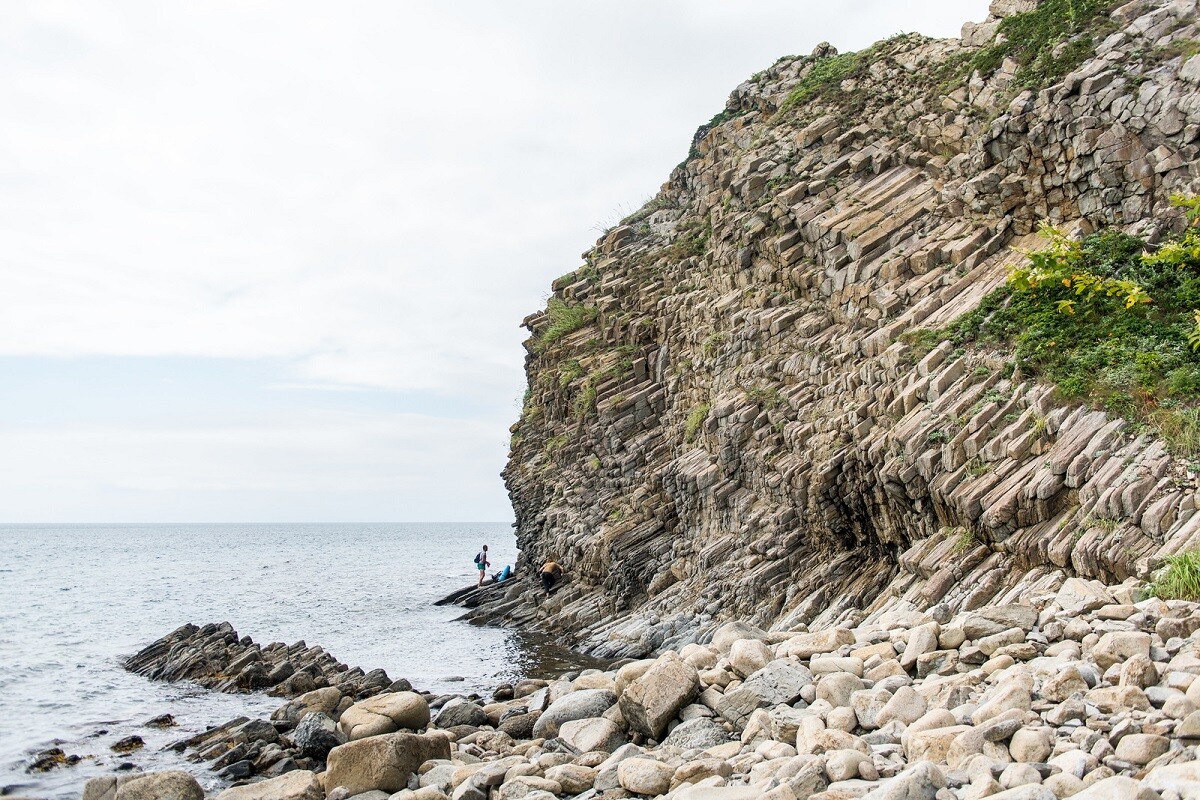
[725, 417]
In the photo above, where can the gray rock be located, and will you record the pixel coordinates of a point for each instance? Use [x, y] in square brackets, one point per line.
[779, 682]
[461, 714]
[316, 735]
[696, 734]
[584, 704]
[995, 619]
[654, 699]
[920, 781]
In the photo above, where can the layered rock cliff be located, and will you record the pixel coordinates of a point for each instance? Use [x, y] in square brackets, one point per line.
[724, 417]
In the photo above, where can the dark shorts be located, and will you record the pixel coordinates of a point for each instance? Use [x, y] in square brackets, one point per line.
[548, 581]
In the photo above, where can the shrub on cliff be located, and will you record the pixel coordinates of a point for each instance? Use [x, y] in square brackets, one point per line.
[1109, 319]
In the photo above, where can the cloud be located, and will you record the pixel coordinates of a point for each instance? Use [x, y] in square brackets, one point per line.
[375, 193]
[316, 466]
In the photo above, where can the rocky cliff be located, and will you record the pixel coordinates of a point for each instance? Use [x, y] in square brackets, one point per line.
[727, 416]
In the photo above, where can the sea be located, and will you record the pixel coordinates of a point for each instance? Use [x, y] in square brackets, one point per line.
[75, 600]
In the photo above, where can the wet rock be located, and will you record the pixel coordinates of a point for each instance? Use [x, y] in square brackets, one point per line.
[52, 758]
[128, 744]
[461, 714]
[161, 721]
[237, 770]
[215, 657]
[520, 726]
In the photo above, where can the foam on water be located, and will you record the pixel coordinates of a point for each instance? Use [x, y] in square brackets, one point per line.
[76, 599]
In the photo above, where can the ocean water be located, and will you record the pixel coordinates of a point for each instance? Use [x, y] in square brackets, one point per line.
[76, 599]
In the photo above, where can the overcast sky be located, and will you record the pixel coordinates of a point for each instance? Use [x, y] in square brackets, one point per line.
[267, 261]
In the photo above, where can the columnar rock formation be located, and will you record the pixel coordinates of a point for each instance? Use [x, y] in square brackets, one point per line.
[213, 656]
[724, 418]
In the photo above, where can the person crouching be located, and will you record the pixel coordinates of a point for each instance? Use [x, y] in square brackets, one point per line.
[551, 574]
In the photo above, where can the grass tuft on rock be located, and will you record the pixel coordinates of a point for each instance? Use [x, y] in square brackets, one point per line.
[1178, 579]
[1049, 41]
[823, 76]
[694, 421]
[565, 318]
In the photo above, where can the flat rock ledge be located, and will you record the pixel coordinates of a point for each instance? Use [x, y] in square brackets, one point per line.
[215, 657]
[1087, 692]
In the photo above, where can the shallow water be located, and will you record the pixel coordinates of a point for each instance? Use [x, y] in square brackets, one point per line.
[76, 599]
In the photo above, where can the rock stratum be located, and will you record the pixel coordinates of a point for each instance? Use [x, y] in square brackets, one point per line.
[724, 420]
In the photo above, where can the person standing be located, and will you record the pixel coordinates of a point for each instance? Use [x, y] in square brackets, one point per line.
[551, 574]
[482, 563]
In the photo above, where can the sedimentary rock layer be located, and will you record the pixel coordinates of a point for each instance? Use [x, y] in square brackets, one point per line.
[214, 657]
[723, 419]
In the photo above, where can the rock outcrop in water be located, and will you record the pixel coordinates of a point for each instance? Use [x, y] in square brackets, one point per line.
[216, 658]
[723, 418]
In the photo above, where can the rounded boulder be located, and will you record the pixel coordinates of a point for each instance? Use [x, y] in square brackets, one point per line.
[169, 785]
[384, 713]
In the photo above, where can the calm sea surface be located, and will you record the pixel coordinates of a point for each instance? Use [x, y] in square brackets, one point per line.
[76, 599]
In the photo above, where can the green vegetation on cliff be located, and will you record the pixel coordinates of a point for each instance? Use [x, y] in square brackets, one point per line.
[1178, 579]
[1049, 41]
[564, 319]
[1110, 319]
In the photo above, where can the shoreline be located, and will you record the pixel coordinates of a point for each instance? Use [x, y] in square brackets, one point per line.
[1049, 696]
[214, 660]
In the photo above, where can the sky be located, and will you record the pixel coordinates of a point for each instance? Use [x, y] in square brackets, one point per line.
[267, 261]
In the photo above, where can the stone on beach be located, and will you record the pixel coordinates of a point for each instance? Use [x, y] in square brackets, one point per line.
[168, 785]
[382, 762]
[384, 713]
[780, 682]
[297, 785]
[653, 700]
[583, 704]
